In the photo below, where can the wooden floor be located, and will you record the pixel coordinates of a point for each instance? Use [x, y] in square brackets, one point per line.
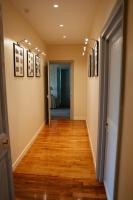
[59, 166]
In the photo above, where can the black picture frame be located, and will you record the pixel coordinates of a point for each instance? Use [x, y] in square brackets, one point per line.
[96, 58]
[37, 66]
[30, 64]
[89, 67]
[91, 63]
[18, 52]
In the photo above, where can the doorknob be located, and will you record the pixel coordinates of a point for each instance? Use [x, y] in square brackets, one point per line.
[5, 143]
[106, 125]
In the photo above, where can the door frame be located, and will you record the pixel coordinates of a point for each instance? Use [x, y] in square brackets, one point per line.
[71, 62]
[48, 95]
[117, 19]
[3, 102]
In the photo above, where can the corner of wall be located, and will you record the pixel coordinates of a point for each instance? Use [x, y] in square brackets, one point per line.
[27, 147]
[89, 138]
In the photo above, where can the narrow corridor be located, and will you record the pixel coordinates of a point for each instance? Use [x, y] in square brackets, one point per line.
[59, 165]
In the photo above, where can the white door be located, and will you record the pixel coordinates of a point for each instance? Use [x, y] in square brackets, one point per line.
[113, 102]
[47, 94]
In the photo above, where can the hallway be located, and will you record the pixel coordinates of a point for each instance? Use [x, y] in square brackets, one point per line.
[59, 165]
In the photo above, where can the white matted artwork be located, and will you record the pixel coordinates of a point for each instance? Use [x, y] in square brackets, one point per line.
[38, 66]
[30, 64]
[18, 60]
[92, 69]
[96, 58]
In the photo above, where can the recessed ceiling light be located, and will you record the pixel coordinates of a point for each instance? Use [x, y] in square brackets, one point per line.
[64, 36]
[86, 39]
[61, 25]
[36, 48]
[55, 5]
[86, 43]
[83, 53]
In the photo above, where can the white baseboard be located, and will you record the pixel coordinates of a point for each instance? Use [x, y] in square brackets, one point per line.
[17, 161]
[94, 160]
[79, 118]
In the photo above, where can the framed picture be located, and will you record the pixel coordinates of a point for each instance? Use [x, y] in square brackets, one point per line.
[96, 58]
[37, 66]
[30, 64]
[18, 60]
[89, 68]
[91, 58]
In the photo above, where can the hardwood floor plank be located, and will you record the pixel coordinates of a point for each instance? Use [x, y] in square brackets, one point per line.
[59, 165]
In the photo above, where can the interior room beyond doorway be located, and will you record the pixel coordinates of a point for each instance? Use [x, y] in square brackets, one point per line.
[60, 90]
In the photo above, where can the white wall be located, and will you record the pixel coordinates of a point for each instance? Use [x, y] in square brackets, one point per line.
[103, 11]
[73, 53]
[92, 113]
[25, 96]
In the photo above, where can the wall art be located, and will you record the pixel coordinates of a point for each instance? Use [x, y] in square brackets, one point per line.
[18, 60]
[30, 64]
[96, 58]
[37, 66]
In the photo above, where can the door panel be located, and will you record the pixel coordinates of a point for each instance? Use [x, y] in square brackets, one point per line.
[6, 182]
[59, 85]
[113, 102]
[47, 94]
[65, 88]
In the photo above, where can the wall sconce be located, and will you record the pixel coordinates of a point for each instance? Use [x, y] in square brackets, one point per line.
[84, 48]
[27, 43]
[38, 51]
[24, 42]
[42, 53]
[87, 39]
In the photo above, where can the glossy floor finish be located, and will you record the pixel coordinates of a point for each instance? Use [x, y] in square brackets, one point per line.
[59, 166]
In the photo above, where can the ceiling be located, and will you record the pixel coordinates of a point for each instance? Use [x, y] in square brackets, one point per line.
[76, 16]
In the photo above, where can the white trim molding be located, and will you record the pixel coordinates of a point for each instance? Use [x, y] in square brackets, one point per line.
[79, 118]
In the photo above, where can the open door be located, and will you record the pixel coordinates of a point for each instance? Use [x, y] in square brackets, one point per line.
[6, 183]
[47, 94]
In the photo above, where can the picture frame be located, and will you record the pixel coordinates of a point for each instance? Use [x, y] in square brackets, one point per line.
[91, 63]
[37, 66]
[89, 67]
[18, 52]
[30, 64]
[96, 58]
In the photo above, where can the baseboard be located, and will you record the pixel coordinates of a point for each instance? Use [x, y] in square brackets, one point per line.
[79, 118]
[94, 160]
[15, 164]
